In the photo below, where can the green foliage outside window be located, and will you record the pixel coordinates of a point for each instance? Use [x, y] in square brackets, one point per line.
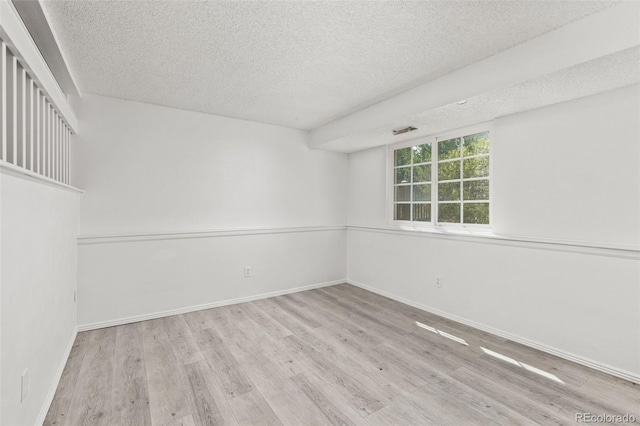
[462, 181]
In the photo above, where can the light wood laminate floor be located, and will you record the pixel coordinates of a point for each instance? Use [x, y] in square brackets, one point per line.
[337, 355]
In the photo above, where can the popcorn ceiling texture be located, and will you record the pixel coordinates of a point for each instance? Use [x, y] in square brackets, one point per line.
[609, 72]
[296, 63]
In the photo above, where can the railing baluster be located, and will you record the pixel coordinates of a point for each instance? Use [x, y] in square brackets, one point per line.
[45, 169]
[3, 99]
[33, 134]
[48, 135]
[56, 141]
[43, 135]
[37, 128]
[62, 150]
[32, 104]
[64, 154]
[68, 156]
[59, 134]
[14, 109]
[23, 116]
[51, 142]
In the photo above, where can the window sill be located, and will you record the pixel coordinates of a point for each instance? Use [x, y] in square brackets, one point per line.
[480, 231]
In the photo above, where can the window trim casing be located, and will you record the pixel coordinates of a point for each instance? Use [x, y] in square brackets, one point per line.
[434, 139]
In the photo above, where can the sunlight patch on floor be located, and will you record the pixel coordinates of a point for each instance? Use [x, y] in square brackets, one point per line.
[442, 333]
[522, 365]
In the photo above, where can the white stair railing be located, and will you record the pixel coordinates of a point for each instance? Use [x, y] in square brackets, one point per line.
[34, 134]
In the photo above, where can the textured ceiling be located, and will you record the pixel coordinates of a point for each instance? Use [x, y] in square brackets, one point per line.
[293, 63]
[606, 73]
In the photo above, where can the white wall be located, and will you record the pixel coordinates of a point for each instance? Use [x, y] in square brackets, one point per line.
[38, 277]
[571, 171]
[567, 172]
[150, 169]
[129, 279]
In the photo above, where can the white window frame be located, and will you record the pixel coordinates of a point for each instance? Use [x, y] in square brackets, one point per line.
[434, 139]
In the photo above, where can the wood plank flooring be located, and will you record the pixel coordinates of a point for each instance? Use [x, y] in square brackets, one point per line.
[339, 355]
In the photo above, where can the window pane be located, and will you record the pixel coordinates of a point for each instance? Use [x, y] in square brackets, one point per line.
[462, 190]
[476, 167]
[402, 212]
[422, 153]
[422, 192]
[476, 189]
[402, 156]
[422, 212]
[449, 149]
[449, 191]
[449, 213]
[476, 144]
[422, 173]
[403, 175]
[402, 193]
[449, 170]
[476, 213]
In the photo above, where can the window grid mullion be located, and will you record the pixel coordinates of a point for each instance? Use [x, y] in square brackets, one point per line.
[475, 156]
[475, 179]
[411, 188]
[468, 201]
[434, 182]
[461, 177]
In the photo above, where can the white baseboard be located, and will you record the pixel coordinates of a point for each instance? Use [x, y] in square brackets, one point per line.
[187, 309]
[54, 385]
[614, 371]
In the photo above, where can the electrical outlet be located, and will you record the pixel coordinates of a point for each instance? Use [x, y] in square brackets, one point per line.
[247, 271]
[439, 282]
[24, 386]
[75, 296]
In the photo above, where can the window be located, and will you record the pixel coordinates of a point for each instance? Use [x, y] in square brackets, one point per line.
[442, 181]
